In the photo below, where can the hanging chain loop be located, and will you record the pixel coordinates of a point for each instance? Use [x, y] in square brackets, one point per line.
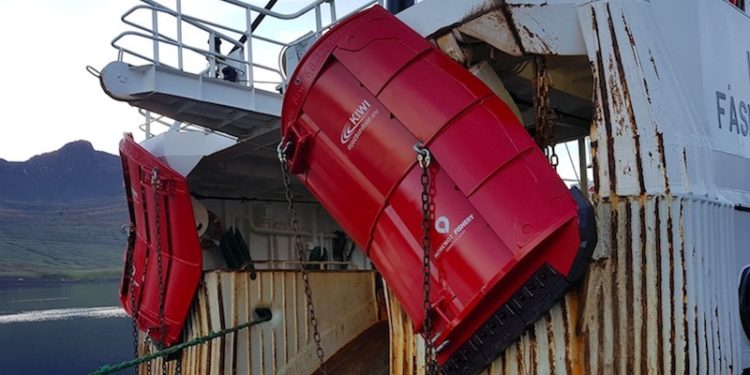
[156, 184]
[544, 114]
[131, 292]
[301, 253]
[423, 159]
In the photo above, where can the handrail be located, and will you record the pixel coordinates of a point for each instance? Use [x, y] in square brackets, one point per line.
[240, 58]
[183, 126]
[197, 22]
[277, 15]
[307, 262]
[174, 43]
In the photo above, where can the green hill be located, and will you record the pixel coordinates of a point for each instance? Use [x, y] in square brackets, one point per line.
[73, 241]
[60, 215]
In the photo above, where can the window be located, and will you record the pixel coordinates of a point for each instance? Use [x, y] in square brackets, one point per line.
[738, 3]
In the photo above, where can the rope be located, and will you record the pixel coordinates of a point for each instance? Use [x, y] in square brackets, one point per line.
[109, 369]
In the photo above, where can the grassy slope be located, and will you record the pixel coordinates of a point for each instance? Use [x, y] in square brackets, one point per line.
[80, 240]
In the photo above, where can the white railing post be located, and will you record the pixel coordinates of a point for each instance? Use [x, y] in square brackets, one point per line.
[332, 4]
[318, 20]
[583, 166]
[155, 27]
[147, 128]
[179, 34]
[249, 47]
[212, 55]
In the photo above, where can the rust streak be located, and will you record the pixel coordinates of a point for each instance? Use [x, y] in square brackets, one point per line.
[595, 163]
[615, 284]
[684, 159]
[532, 36]
[569, 345]
[507, 12]
[550, 343]
[644, 299]
[627, 30]
[672, 291]
[648, 94]
[519, 356]
[697, 349]
[718, 336]
[628, 103]
[684, 285]
[705, 341]
[630, 346]
[603, 104]
[653, 63]
[600, 332]
[663, 158]
[657, 242]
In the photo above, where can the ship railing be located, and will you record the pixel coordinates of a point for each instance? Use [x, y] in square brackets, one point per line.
[213, 32]
[152, 119]
[332, 265]
[241, 55]
[245, 43]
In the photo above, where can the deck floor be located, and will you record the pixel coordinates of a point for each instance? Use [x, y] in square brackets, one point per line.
[366, 354]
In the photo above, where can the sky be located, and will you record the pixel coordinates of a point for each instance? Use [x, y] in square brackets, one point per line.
[49, 99]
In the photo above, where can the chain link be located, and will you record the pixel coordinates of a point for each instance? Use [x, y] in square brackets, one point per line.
[424, 159]
[156, 184]
[131, 291]
[545, 115]
[301, 253]
[147, 351]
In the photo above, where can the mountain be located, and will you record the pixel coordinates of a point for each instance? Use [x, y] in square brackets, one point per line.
[61, 213]
[74, 172]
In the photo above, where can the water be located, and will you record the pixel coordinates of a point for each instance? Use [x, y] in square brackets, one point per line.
[65, 328]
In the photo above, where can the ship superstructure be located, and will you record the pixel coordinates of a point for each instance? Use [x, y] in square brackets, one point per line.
[655, 90]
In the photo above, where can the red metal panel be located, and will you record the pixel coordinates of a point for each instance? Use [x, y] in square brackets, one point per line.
[141, 292]
[506, 228]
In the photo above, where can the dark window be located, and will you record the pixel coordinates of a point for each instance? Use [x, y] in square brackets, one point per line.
[738, 3]
[744, 294]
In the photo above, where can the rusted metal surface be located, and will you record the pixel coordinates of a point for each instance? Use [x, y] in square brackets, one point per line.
[493, 29]
[660, 294]
[345, 301]
[653, 303]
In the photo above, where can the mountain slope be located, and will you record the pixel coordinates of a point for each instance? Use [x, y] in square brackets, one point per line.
[61, 213]
[76, 171]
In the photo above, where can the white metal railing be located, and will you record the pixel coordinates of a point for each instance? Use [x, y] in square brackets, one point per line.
[242, 54]
[239, 65]
[172, 125]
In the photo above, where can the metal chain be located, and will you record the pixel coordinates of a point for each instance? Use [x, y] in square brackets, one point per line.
[156, 184]
[131, 291]
[423, 159]
[147, 351]
[301, 253]
[545, 116]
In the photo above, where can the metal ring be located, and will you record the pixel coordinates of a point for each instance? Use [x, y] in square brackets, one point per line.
[282, 148]
[423, 155]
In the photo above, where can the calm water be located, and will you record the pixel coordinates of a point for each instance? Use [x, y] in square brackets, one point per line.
[71, 328]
